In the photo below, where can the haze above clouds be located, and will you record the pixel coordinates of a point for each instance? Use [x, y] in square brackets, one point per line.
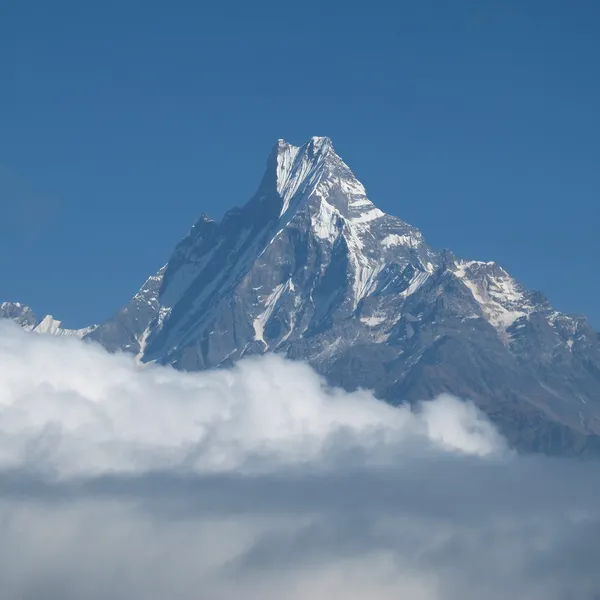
[128, 482]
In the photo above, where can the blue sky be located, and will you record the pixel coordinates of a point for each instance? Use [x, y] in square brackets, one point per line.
[121, 121]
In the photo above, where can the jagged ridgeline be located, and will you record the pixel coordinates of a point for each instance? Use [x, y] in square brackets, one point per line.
[310, 268]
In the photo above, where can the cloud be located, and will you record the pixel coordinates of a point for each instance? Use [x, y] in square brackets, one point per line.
[71, 409]
[262, 482]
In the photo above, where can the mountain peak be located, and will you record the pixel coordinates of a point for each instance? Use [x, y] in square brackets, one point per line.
[299, 168]
[311, 268]
[314, 173]
[23, 316]
[320, 142]
[316, 143]
[315, 151]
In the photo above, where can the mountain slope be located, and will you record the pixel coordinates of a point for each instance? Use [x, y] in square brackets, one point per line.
[309, 267]
[299, 257]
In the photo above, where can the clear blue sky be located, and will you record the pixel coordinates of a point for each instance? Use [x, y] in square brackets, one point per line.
[121, 121]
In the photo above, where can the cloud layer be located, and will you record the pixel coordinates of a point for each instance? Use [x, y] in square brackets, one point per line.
[71, 409]
[262, 482]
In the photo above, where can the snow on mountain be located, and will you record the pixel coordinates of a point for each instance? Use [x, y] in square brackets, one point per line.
[25, 317]
[502, 299]
[311, 268]
[52, 326]
[19, 313]
[308, 244]
[129, 328]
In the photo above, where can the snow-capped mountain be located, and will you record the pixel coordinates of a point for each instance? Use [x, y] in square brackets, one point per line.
[25, 317]
[309, 267]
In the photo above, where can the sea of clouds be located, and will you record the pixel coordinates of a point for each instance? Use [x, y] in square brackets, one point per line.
[261, 482]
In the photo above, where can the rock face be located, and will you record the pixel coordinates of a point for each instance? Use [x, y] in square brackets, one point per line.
[128, 329]
[309, 267]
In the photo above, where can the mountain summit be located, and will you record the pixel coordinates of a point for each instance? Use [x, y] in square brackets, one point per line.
[311, 268]
[296, 261]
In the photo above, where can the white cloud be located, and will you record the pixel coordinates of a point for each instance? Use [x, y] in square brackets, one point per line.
[261, 482]
[69, 408]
